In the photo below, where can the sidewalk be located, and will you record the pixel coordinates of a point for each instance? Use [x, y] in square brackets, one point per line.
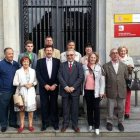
[132, 126]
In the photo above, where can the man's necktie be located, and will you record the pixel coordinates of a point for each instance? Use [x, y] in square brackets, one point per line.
[70, 67]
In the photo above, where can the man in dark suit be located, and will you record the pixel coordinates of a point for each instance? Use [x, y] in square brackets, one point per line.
[70, 77]
[46, 71]
[116, 74]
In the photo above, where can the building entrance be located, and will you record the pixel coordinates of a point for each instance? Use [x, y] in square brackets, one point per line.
[62, 19]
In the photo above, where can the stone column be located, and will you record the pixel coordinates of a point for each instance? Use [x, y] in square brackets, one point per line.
[11, 25]
[1, 29]
[101, 29]
[109, 28]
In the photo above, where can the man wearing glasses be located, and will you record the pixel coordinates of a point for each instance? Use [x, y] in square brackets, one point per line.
[29, 52]
[116, 74]
[70, 77]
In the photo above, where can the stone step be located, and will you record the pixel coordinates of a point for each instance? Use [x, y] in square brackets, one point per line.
[132, 128]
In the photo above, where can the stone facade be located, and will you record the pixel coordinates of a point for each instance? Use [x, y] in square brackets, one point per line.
[121, 7]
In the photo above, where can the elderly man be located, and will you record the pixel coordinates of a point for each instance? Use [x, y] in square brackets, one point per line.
[49, 42]
[70, 45]
[70, 77]
[116, 74]
[8, 68]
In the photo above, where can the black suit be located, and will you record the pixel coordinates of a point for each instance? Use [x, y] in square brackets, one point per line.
[48, 99]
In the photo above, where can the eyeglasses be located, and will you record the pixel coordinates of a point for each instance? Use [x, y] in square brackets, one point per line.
[70, 55]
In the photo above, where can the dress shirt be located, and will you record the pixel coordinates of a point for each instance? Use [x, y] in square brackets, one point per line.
[115, 66]
[49, 66]
[70, 63]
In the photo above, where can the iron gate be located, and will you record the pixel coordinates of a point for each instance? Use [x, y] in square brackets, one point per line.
[62, 19]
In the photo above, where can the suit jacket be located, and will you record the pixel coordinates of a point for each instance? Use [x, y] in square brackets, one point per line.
[56, 54]
[115, 83]
[72, 79]
[34, 61]
[42, 73]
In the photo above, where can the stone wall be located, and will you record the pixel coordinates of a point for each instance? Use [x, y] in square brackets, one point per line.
[121, 7]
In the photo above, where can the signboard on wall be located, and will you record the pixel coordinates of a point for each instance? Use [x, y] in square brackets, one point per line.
[126, 18]
[127, 30]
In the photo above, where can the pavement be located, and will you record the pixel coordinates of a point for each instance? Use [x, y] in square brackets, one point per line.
[131, 125]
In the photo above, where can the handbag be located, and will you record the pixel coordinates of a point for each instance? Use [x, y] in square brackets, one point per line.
[17, 97]
[133, 83]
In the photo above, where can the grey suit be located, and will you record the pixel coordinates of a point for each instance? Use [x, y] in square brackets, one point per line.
[34, 60]
[115, 89]
[71, 79]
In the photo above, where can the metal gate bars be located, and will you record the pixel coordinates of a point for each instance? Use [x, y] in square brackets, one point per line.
[62, 19]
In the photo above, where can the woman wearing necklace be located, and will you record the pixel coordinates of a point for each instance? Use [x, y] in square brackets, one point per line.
[25, 80]
[94, 86]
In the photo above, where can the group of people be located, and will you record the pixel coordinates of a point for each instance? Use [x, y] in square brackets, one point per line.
[65, 74]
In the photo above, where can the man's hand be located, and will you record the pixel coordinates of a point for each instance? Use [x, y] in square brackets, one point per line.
[53, 87]
[67, 89]
[47, 87]
[72, 89]
[102, 95]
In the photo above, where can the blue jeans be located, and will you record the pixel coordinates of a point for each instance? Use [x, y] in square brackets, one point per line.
[7, 110]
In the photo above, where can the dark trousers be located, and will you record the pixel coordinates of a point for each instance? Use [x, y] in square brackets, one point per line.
[70, 106]
[92, 108]
[7, 110]
[49, 108]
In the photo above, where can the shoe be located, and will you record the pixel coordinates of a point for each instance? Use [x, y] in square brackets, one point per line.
[109, 126]
[90, 128]
[126, 116]
[120, 127]
[31, 129]
[43, 128]
[56, 127]
[3, 129]
[15, 126]
[20, 129]
[77, 129]
[63, 129]
[97, 131]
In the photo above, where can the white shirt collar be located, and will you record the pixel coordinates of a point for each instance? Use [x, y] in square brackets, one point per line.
[115, 62]
[48, 59]
[70, 62]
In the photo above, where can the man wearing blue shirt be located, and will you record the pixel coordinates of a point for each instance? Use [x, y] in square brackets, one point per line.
[8, 68]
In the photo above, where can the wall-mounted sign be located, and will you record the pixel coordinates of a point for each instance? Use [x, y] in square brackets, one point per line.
[126, 18]
[127, 30]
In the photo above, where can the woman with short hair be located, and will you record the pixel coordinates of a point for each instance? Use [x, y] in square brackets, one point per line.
[25, 80]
